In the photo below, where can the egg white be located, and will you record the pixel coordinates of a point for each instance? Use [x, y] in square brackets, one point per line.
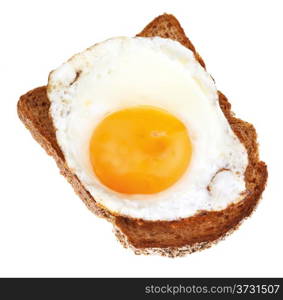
[124, 72]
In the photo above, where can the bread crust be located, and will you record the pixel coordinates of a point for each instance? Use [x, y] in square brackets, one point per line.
[167, 238]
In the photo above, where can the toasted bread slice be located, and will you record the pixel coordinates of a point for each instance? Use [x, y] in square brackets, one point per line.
[168, 238]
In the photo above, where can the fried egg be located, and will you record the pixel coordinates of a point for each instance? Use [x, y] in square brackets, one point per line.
[139, 123]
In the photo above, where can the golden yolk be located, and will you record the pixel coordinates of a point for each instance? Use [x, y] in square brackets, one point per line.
[140, 150]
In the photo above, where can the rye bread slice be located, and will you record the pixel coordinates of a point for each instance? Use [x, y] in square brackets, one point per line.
[168, 238]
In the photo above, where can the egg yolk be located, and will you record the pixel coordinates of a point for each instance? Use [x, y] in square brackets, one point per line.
[140, 150]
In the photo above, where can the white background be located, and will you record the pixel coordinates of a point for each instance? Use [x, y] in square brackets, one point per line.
[45, 229]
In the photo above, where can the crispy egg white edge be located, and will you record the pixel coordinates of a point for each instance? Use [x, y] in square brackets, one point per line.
[166, 75]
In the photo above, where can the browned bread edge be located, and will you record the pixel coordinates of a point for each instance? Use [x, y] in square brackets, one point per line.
[169, 238]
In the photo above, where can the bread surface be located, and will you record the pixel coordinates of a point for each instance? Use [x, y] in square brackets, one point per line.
[168, 238]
